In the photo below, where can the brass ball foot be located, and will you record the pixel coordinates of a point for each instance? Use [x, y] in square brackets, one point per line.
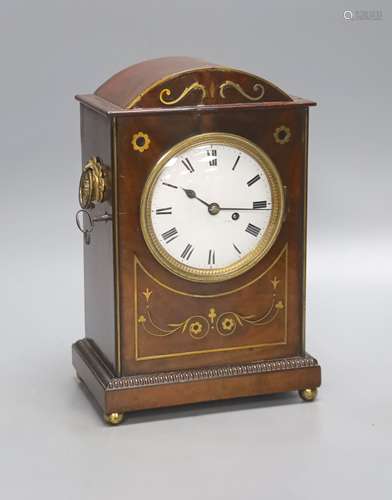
[114, 418]
[308, 394]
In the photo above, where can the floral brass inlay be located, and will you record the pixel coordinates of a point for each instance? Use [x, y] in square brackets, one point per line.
[282, 134]
[257, 88]
[167, 93]
[140, 142]
[199, 326]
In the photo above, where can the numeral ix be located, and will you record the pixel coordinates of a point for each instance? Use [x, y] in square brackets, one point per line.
[164, 211]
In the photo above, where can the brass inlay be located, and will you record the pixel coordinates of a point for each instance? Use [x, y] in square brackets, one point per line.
[198, 326]
[257, 88]
[212, 90]
[137, 264]
[92, 184]
[222, 69]
[140, 142]
[116, 263]
[167, 93]
[212, 314]
[282, 134]
[250, 259]
[147, 293]
[211, 373]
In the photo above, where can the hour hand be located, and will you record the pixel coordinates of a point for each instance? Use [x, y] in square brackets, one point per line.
[191, 194]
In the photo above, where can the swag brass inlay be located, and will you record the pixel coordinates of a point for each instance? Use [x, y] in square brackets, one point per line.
[221, 69]
[167, 93]
[198, 326]
[258, 88]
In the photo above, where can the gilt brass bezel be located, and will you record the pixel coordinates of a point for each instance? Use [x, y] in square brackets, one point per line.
[250, 259]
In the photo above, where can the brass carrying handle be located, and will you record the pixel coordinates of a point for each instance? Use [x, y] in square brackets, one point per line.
[93, 184]
[91, 221]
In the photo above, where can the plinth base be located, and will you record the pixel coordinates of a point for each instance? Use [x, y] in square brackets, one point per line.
[118, 395]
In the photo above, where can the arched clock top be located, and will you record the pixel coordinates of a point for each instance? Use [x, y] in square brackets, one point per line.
[184, 81]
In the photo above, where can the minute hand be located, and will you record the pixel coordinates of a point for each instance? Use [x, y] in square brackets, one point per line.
[241, 209]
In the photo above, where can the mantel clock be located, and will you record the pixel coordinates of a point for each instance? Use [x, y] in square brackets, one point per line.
[193, 213]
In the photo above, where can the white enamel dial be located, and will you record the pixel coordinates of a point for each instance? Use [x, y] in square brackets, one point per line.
[213, 207]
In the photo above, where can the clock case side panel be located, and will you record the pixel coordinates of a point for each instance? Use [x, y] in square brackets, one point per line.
[165, 130]
[304, 230]
[99, 285]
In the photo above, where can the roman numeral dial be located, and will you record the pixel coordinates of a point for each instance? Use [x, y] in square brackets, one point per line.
[187, 252]
[211, 257]
[260, 204]
[170, 235]
[164, 211]
[252, 229]
[211, 207]
[213, 153]
[253, 180]
[188, 165]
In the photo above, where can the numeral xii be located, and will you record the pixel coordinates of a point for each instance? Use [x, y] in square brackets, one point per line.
[213, 152]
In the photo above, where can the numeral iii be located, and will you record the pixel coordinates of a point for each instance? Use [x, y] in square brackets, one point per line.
[253, 230]
[259, 204]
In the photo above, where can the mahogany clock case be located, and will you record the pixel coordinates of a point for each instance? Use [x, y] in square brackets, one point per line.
[153, 338]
